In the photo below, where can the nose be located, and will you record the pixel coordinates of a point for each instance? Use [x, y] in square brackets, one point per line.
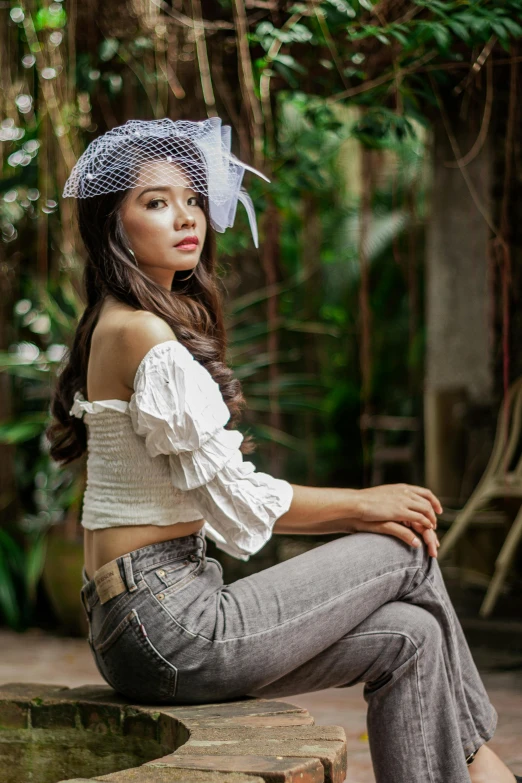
[184, 218]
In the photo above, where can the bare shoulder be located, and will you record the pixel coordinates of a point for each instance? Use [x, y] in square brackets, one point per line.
[139, 332]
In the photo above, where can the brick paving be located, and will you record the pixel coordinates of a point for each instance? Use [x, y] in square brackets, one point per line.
[38, 656]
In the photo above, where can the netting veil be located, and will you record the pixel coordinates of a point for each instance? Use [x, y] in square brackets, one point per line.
[117, 161]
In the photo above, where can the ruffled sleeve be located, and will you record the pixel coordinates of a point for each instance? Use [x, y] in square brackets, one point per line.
[178, 409]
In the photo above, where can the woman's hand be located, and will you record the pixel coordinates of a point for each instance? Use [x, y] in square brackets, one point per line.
[405, 503]
[391, 509]
[399, 530]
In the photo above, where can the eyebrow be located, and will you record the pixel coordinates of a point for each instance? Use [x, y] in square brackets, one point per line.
[160, 187]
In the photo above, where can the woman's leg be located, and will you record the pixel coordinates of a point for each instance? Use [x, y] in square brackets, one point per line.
[413, 725]
[242, 638]
[427, 706]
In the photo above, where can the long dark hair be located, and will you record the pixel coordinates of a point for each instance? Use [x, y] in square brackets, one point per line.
[193, 309]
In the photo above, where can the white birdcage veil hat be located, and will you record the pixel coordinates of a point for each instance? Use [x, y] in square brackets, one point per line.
[112, 162]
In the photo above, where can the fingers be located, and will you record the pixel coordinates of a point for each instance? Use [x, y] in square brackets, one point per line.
[412, 517]
[400, 531]
[428, 494]
[409, 537]
[430, 537]
[417, 526]
[424, 507]
[432, 542]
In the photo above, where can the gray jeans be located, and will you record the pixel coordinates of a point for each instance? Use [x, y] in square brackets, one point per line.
[362, 608]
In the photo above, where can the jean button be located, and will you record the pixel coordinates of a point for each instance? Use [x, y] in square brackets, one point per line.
[160, 596]
[161, 572]
[193, 558]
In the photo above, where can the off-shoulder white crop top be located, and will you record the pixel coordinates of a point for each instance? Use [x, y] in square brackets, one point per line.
[165, 457]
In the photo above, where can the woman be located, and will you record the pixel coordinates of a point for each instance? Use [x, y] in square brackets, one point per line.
[147, 393]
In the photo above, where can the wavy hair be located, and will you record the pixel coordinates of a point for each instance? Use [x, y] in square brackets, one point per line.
[193, 309]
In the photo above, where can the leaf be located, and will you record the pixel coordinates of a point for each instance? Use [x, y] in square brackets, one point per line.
[499, 29]
[8, 603]
[274, 435]
[366, 4]
[22, 430]
[343, 7]
[399, 36]
[286, 73]
[459, 29]
[35, 561]
[441, 35]
[512, 27]
[290, 62]
[11, 565]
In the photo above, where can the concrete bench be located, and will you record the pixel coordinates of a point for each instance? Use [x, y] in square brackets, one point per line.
[51, 734]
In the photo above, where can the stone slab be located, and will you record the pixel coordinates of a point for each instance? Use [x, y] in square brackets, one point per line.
[268, 721]
[331, 753]
[150, 774]
[271, 733]
[234, 709]
[273, 769]
[97, 693]
[22, 691]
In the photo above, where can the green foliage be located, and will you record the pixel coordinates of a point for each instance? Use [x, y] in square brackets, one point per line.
[266, 33]
[21, 567]
[382, 128]
[50, 17]
[429, 34]
[48, 320]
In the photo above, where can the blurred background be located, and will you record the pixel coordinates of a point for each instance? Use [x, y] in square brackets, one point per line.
[376, 330]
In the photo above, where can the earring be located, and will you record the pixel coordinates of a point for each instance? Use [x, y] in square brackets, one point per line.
[132, 252]
[182, 279]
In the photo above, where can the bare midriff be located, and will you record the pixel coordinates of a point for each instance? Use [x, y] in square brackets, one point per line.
[102, 546]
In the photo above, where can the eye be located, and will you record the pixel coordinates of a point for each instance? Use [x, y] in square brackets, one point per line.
[198, 202]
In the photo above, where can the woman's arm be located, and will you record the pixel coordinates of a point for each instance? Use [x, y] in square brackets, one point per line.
[178, 409]
[319, 510]
[390, 509]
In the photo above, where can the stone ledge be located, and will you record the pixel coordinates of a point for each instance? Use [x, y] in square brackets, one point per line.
[114, 740]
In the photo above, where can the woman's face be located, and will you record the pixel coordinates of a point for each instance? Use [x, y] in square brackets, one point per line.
[156, 219]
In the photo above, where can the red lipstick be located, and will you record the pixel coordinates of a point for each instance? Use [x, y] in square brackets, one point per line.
[191, 241]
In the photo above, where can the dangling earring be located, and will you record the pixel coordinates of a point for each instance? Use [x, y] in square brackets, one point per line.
[182, 279]
[132, 252]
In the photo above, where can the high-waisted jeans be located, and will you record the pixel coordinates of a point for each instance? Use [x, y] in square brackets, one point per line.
[361, 608]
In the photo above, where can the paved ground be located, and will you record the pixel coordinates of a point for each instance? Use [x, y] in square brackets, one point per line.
[37, 656]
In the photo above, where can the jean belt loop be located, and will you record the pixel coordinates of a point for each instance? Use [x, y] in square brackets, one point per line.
[203, 543]
[85, 604]
[129, 575]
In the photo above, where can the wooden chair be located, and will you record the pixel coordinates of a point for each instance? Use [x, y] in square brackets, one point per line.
[500, 480]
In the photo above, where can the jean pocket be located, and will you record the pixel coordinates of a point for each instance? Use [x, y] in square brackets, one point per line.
[108, 615]
[169, 578]
[132, 665]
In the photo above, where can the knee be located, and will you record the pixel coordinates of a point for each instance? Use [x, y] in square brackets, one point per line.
[391, 549]
[405, 632]
[428, 629]
[409, 622]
